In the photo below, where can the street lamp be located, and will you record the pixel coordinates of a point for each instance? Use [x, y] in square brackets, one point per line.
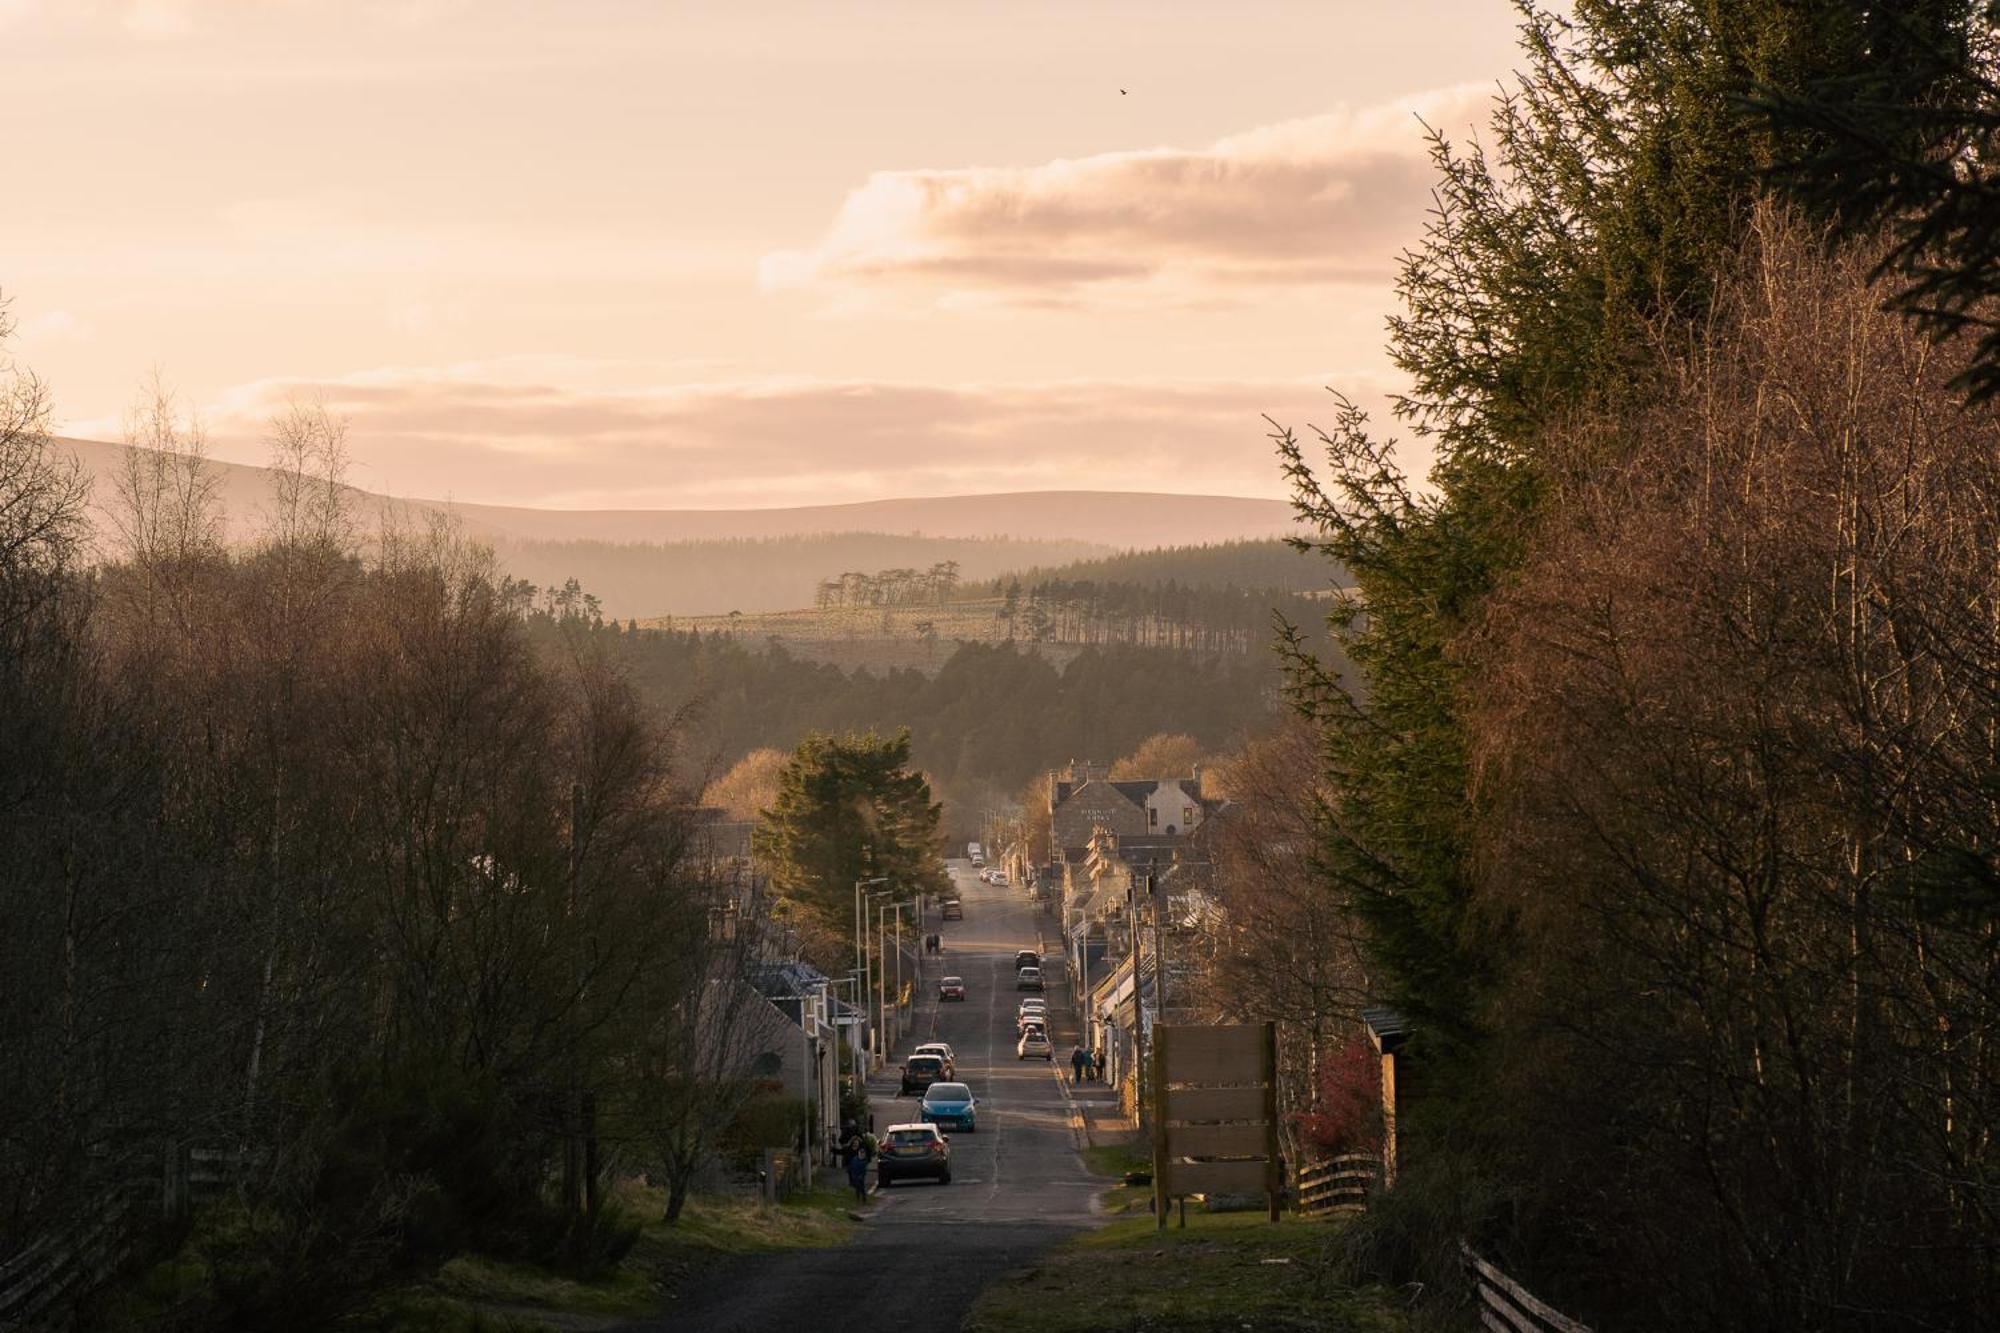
[860, 950]
[882, 972]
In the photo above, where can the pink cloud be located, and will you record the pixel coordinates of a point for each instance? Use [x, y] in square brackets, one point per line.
[1328, 199]
[496, 435]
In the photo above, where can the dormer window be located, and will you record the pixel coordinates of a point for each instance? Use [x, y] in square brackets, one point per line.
[1152, 816]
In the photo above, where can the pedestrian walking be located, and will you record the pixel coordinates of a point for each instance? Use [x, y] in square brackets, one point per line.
[857, 1150]
[1077, 1061]
[1098, 1057]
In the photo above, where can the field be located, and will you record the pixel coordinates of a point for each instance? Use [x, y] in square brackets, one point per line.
[876, 637]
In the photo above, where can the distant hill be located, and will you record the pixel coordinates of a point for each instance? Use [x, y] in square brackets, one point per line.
[1107, 519]
[681, 562]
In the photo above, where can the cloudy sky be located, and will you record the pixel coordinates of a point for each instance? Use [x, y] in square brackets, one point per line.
[639, 253]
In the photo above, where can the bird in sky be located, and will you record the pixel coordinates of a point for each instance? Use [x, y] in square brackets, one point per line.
[1121, 92]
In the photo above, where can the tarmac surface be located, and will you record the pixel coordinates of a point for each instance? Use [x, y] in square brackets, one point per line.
[926, 1250]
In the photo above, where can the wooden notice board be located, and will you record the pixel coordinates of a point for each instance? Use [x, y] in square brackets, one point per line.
[1215, 1112]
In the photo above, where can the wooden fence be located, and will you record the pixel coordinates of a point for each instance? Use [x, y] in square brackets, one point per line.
[1505, 1306]
[37, 1282]
[1338, 1184]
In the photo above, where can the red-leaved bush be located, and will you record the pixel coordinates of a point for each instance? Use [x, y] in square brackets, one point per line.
[1346, 1115]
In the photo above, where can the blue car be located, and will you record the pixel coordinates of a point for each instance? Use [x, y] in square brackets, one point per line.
[950, 1106]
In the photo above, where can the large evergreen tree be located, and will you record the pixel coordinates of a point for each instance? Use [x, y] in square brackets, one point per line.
[850, 808]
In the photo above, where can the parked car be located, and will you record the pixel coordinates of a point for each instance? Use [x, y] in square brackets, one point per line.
[999, 878]
[919, 1072]
[1026, 958]
[913, 1150]
[951, 988]
[1034, 1025]
[951, 1106]
[1034, 1044]
[1032, 1007]
[1028, 978]
[943, 1052]
[953, 910]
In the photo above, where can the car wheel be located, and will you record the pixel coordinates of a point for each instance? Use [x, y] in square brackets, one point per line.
[945, 1179]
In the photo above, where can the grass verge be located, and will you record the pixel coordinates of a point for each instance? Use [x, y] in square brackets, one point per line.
[1226, 1271]
[659, 1262]
[1112, 1161]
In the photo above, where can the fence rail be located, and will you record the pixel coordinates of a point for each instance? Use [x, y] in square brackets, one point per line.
[1505, 1306]
[34, 1282]
[1338, 1184]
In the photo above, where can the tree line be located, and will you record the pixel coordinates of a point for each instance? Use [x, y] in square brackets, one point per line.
[988, 719]
[1184, 617]
[890, 587]
[1667, 820]
[313, 857]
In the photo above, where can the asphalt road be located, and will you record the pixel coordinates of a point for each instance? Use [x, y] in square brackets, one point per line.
[928, 1249]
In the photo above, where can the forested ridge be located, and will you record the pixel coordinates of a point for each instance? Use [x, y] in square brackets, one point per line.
[992, 717]
[1271, 563]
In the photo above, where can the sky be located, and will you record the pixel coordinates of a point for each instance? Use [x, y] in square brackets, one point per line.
[635, 253]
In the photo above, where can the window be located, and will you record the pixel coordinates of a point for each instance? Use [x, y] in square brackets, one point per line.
[1187, 816]
[1152, 816]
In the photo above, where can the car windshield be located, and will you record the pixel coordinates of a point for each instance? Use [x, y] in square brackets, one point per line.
[954, 981]
[925, 1064]
[949, 1092]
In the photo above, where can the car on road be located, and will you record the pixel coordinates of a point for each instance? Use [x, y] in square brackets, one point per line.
[954, 910]
[998, 878]
[1033, 1004]
[942, 1051]
[951, 988]
[918, 1150]
[919, 1072]
[950, 1106]
[1030, 1027]
[1028, 978]
[1027, 958]
[1034, 1044]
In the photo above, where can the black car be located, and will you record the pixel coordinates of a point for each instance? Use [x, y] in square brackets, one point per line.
[919, 1072]
[914, 1150]
[1027, 958]
[953, 910]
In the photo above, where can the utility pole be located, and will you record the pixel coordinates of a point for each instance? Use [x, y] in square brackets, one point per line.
[1138, 1005]
[1159, 946]
[861, 968]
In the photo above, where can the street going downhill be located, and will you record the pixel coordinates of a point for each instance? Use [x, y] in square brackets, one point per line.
[1017, 1184]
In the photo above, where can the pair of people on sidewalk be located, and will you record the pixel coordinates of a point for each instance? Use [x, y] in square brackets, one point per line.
[1083, 1063]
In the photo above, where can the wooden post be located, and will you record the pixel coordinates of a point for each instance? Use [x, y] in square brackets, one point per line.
[1388, 1119]
[1159, 1124]
[1273, 1173]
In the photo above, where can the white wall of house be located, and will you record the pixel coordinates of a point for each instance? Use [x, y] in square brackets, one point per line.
[1172, 806]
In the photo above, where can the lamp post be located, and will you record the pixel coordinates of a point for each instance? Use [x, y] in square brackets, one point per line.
[860, 947]
[880, 979]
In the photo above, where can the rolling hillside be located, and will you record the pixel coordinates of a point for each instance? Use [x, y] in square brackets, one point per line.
[653, 563]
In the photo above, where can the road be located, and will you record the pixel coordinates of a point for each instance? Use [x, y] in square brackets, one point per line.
[927, 1249]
